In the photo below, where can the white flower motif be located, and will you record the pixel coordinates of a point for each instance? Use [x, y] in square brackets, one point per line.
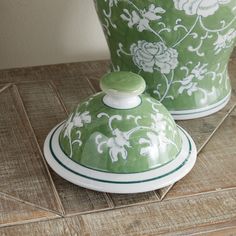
[143, 17]
[80, 119]
[77, 121]
[198, 73]
[202, 8]
[68, 127]
[159, 124]
[117, 145]
[154, 56]
[188, 85]
[224, 41]
[156, 144]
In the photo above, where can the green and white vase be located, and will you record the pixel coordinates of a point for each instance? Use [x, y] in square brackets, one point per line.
[180, 47]
[120, 140]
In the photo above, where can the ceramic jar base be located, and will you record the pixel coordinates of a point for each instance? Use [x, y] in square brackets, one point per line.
[198, 113]
[119, 183]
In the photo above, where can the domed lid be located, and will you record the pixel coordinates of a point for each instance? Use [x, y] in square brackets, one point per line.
[120, 130]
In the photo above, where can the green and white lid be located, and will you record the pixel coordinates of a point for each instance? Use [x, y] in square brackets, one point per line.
[120, 141]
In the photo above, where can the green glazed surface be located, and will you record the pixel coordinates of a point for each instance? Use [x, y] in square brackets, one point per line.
[124, 82]
[120, 141]
[180, 47]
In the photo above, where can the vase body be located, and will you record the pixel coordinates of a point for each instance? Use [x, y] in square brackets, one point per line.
[180, 47]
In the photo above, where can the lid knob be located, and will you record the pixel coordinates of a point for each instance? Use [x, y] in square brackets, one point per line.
[122, 89]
